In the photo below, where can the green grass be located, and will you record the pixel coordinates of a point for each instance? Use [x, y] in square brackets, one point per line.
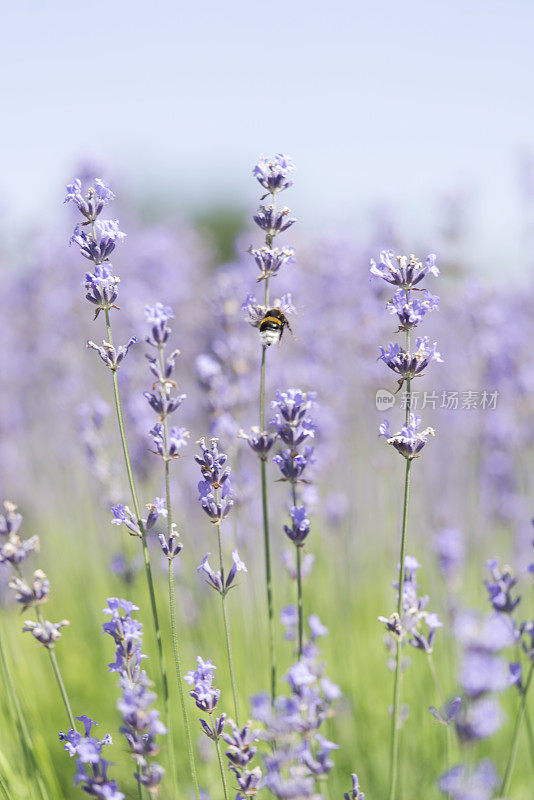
[349, 587]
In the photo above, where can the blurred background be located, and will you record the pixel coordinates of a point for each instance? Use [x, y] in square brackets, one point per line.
[411, 127]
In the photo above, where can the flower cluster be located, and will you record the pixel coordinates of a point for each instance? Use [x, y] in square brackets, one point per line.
[13, 549]
[164, 400]
[416, 623]
[122, 515]
[97, 239]
[403, 271]
[409, 441]
[300, 755]
[216, 579]
[408, 362]
[241, 750]
[141, 723]
[91, 767]
[483, 672]
[216, 477]
[273, 175]
[206, 696]
[27, 593]
[478, 782]
[294, 427]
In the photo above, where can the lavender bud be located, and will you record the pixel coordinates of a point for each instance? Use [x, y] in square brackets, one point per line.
[48, 633]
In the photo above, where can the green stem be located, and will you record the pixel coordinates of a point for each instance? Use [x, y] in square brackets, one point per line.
[226, 622]
[442, 702]
[5, 791]
[530, 734]
[168, 504]
[57, 674]
[266, 537]
[221, 767]
[515, 736]
[394, 748]
[146, 556]
[299, 583]
[177, 663]
[32, 768]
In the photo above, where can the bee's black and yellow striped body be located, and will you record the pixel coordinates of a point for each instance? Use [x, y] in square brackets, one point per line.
[272, 326]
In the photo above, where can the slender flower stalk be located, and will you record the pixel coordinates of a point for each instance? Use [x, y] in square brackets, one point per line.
[441, 696]
[167, 445]
[515, 735]
[293, 428]
[395, 730]
[405, 273]
[216, 497]
[31, 594]
[206, 697]
[57, 674]
[177, 663]
[102, 292]
[227, 625]
[274, 176]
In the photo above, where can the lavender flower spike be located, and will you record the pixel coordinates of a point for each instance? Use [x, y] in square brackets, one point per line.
[355, 793]
[46, 633]
[91, 768]
[403, 271]
[273, 173]
[141, 723]
[409, 441]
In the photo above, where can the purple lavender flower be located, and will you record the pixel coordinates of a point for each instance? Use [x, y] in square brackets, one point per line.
[91, 767]
[500, 588]
[163, 404]
[411, 311]
[291, 421]
[205, 695]
[300, 526]
[271, 260]
[259, 441]
[111, 355]
[11, 520]
[123, 516]
[212, 464]
[450, 549]
[448, 714]
[403, 271]
[272, 221]
[102, 287]
[409, 365]
[158, 317]
[216, 507]
[256, 312]
[47, 633]
[141, 723]
[273, 173]
[31, 595]
[470, 783]
[355, 793]
[409, 441]
[93, 202]
[14, 550]
[171, 546]
[300, 755]
[292, 466]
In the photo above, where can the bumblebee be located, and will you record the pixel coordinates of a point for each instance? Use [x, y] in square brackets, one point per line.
[272, 326]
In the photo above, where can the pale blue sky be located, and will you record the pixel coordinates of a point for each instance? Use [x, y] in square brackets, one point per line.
[378, 101]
